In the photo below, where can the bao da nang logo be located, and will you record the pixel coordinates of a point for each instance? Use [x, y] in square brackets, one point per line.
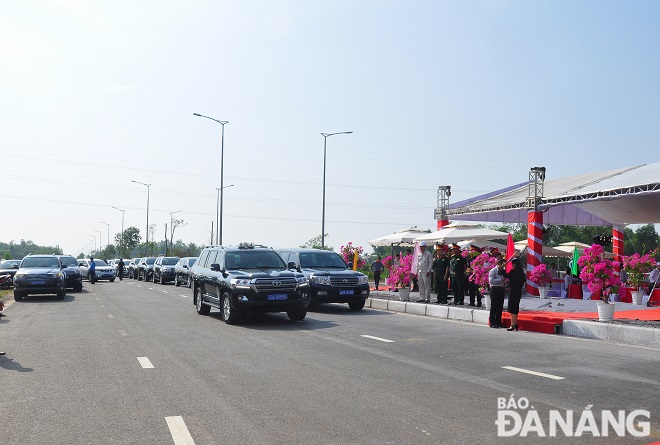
[516, 417]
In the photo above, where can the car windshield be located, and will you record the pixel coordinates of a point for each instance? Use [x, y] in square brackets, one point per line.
[100, 263]
[151, 261]
[40, 262]
[321, 259]
[170, 261]
[69, 261]
[254, 259]
[9, 264]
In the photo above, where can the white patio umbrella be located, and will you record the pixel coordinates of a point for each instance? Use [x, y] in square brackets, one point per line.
[570, 246]
[547, 250]
[404, 237]
[482, 244]
[454, 233]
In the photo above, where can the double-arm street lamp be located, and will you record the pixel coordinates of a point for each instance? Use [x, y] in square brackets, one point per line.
[121, 240]
[222, 166]
[146, 235]
[325, 141]
[217, 211]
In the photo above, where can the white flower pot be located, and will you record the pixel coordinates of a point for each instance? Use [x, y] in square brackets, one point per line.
[543, 292]
[404, 293]
[636, 296]
[605, 311]
[485, 301]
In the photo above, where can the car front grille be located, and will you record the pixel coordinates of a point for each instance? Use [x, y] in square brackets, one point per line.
[277, 285]
[343, 281]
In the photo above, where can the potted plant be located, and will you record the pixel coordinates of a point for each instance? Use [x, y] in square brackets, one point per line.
[599, 273]
[400, 277]
[541, 276]
[637, 266]
[481, 265]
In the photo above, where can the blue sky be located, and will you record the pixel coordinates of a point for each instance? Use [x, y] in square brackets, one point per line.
[463, 93]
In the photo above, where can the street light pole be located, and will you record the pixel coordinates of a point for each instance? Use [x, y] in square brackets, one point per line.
[171, 227]
[146, 235]
[222, 166]
[108, 242]
[100, 240]
[325, 141]
[217, 211]
[121, 239]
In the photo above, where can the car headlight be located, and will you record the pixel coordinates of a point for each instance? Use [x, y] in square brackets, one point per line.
[302, 281]
[55, 275]
[320, 280]
[239, 282]
[19, 275]
[363, 279]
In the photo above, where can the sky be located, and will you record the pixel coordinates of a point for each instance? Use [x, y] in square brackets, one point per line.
[471, 94]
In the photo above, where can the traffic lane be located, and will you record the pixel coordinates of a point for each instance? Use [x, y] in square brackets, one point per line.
[63, 374]
[590, 369]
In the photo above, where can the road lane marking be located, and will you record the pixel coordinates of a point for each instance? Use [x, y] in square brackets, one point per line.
[111, 316]
[184, 296]
[101, 305]
[179, 431]
[145, 362]
[123, 333]
[164, 291]
[377, 338]
[138, 285]
[536, 373]
[150, 288]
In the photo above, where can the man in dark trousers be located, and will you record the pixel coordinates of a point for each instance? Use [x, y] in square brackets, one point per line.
[120, 269]
[457, 265]
[92, 271]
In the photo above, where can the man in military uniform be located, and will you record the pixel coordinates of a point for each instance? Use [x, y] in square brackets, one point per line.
[441, 273]
[457, 266]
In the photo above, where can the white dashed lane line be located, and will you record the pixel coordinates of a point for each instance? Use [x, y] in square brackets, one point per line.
[184, 296]
[111, 316]
[122, 333]
[145, 362]
[179, 431]
[377, 338]
[536, 373]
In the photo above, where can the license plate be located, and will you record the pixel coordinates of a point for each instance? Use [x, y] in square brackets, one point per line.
[37, 282]
[278, 297]
[346, 292]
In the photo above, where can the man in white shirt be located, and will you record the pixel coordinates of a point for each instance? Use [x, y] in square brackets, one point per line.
[424, 272]
[496, 281]
[654, 276]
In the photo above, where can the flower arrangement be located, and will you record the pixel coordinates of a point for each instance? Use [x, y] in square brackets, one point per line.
[348, 253]
[598, 272]
[480, 266]
[400, 275]
[541, 276]
[637, 266]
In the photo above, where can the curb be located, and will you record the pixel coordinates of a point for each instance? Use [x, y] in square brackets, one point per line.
[635, 335]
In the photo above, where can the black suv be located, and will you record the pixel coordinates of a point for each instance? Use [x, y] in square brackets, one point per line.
[164, 268]
[72, 272]
[39, 274]
[132, 268]
[182, 271]
[330, 279]
[247, 278]
[145, 268]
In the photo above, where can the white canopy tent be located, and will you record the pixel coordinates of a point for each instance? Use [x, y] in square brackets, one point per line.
[400, 238]
[548, 251]
[454, 233]
[482, 244]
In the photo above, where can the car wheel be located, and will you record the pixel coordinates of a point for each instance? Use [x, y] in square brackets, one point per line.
[18, 295]
[176, 281]
[229, 315]
[78, 287]
[160, 280]
[356, 305]
[61, 294]
[189, 282]
[297, 314]
[202, 309]
[112, 280]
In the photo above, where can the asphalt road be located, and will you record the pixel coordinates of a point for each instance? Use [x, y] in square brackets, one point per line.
[133, 363]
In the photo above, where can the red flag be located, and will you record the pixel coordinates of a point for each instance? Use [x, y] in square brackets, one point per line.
[510, 253]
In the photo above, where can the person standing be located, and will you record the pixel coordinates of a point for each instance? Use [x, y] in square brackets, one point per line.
[496, 282]
[377, 268]
[92, 271]
[120, 269]
[424, 271]
[517, 280]
[457, 266]
[654, 277]
[441, 274]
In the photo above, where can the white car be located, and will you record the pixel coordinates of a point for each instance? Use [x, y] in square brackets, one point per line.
[103, 271]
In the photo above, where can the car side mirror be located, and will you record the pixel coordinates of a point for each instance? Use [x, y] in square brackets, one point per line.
[185, 267]
[215, 267]
[15, 266]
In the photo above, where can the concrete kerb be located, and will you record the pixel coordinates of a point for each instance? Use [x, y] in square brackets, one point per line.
[609, 331]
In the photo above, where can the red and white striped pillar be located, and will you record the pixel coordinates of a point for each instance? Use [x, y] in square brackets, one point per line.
[534, 247]
[617, 242]
[442, 223]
